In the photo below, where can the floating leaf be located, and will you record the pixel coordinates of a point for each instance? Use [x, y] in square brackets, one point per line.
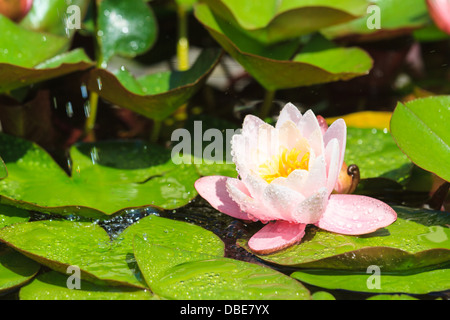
[59, 244]
[393, 20]
[227, 279]
[376, 154]
[155, 96]
[273, 21]
[14, 76]
[404, 282]
[154, 260]
[10, 215]
[125, 28]
[53, 286]
[271, 66]
[106, 178]
[15, 269]
[418, 239]
[420, 128]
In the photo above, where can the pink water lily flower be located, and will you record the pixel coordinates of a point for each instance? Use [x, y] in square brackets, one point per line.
[15, 9]
[440, 13]
[286, 177]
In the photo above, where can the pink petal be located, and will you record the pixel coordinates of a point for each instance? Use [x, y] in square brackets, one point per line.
[276, 236]
[213, 189]
[353, 214]
[333, 164]
[337, 130]
[311, 209]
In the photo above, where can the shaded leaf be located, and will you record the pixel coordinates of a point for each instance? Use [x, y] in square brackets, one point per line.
[125, 28]
[413, 283]
[15, 269]
[53, 286]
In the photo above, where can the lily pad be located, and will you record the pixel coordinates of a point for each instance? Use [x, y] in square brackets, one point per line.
[412, 283]
[154, 260]
[273, 21]
[10, 215]
[393, 20]
[418, 239]
[53, 286]
[420, 129]
[125, 28]
[16, 76]
[227, 279]
[15, 269]
[59, 244]
[155, 96]
[275, 66]
[107, 177]
[376, 154]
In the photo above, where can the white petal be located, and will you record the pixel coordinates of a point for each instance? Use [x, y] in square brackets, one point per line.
[288, 113]
[311, 209]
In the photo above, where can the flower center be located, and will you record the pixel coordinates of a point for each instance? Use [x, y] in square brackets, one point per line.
[283, 164]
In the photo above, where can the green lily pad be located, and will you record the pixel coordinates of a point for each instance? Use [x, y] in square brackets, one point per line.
[376, 154]
[22, 47]
[154, 260]
[15, 269]
[394, 21]
[420, 129]
[125, 28]
[273, 21]
[392, 297]
[418, 239]
[107, 177]
[10, 215]
[155, 96]
[16, 76]
[271, 65]
[227, 279]
[412, 283]
[59, 244]
[53, 286]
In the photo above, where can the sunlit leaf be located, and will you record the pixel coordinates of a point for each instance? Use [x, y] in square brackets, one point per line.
[15, 269]
[420, 128]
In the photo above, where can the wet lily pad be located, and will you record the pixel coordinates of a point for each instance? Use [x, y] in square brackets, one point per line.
[273, 21]
[418, 239]
[10, 215]
[154, 260]
[107, 177]
[376, 154]
[53, 286]
[421, 131]
[276, 66]
[15, 269]
[59, 244]
[412, 283]
[125, 28]
[227, 279]
[155, 96]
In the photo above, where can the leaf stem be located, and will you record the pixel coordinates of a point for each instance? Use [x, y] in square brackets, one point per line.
[157, 124]
[267, 104]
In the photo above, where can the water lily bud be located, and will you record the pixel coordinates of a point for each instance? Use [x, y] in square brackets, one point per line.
[15, 10]
[440, 13]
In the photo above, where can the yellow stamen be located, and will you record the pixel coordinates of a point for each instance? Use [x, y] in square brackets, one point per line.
[283, 164]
